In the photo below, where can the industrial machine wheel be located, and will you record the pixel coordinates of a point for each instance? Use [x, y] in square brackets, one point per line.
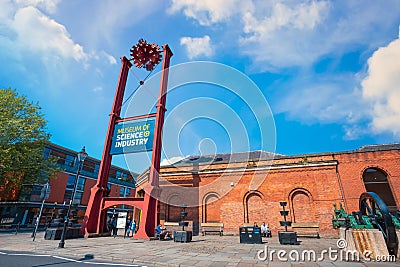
[375, 208]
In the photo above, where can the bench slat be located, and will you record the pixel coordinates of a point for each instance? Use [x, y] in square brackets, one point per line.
[212, 227]
[211, 224]
[171, 224]
[306, 229]
[305, 225]
[307, 234]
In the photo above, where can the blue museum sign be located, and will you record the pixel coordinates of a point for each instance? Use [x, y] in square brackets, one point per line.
[134, 136]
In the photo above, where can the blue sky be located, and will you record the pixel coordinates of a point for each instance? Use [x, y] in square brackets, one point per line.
[329, 70]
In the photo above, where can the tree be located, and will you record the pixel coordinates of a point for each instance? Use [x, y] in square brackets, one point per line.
[23, 138]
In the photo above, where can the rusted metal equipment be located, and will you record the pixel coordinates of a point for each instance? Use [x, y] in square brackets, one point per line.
[373, 214]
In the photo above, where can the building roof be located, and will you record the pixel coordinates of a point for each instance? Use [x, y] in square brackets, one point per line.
[363, 149]
[89, 170]
[371, 148]
[72, 152]
[227, 158]
[265, 155]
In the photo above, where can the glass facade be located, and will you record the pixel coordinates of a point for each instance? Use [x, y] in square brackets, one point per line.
[122, 191]
[70, 189]
[67, 162]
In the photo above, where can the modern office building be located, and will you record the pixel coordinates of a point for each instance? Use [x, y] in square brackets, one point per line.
[23, 206]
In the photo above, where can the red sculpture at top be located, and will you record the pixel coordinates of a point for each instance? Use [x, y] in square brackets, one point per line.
[146, 55]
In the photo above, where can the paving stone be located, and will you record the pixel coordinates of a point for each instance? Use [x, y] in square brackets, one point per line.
[244, 264]
[204, 251]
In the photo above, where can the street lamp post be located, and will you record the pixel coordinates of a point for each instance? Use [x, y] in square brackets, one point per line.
[81, 158]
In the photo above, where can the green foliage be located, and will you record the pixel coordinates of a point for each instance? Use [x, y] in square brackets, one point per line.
[23, 137]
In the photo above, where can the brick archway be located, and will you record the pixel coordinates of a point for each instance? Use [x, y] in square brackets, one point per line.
[173, 208]
[254, 207]
[301, 203]
[211, 211]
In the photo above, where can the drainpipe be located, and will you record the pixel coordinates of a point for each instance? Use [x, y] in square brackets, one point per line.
[340, 183]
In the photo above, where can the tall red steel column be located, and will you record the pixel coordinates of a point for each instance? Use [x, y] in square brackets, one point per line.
[92, 220]
[149, 216]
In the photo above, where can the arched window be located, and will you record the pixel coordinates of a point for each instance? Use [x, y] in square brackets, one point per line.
[254, 207]
[174, 209]
[302, 206]
[375, 180]
[211, 211]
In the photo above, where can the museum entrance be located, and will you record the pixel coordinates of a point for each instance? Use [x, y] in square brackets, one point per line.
[375, 180]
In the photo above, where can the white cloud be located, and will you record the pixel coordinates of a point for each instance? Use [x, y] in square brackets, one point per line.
[196, 47]
[381, 87]
[40, 34]
[110, 58]
[107, 19]
[25, 29]
[285, 33]
[104, 55]
[48, 5]
[355, 131]
[97, 89]
[6, 11]
[282, 37]
[275, 32]
[301, 16]
[324, 100]
[207, 12]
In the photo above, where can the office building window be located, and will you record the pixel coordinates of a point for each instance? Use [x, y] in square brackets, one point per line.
[70, 189]
[96, 168]
[46, 152]
[122, 191]
[69, 160]
[81, 184]
[78, 198]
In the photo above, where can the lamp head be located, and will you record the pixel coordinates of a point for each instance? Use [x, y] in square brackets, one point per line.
[82, 155]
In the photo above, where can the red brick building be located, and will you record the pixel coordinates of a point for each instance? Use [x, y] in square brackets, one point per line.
[23, 206]
[247, 187]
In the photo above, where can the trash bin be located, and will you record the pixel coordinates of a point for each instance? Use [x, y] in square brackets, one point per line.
[287, 238]
[73, 232]
[53, 234]
[250, 235]
[182, 236]
[49, 234]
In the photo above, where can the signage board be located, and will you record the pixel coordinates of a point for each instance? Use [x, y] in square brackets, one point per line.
[121, 221]
[133, 136]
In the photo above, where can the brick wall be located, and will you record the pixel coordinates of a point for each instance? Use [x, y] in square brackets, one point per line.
[309, 185]
[58, 187]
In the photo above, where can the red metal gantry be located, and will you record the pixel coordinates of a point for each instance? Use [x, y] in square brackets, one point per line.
[95, 216]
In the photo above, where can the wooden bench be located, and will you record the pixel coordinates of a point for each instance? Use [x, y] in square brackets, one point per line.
[212, 227]
[306, 229]
[172, 226]
[160, 236]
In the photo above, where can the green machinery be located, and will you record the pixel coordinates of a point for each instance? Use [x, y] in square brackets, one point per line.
[373, 214]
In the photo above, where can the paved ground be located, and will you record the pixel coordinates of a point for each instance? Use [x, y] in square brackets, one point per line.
[202, 251]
